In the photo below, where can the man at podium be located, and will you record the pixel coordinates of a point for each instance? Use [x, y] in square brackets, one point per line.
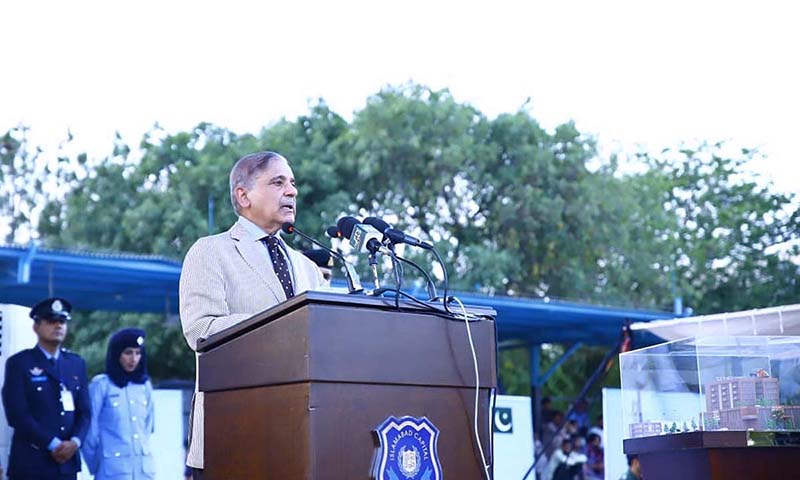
[228, 277]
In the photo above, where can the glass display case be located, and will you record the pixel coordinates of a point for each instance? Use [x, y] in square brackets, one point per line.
[741, 383]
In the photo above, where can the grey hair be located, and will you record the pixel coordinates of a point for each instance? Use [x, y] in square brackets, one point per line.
[245, 171]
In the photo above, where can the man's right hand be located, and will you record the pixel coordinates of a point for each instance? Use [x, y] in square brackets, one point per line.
[64, 451]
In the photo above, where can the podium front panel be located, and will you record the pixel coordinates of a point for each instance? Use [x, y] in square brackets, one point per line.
[324, 431]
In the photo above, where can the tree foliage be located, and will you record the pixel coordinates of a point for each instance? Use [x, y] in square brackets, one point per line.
[514, 208]
[729, 239]
[28, 182]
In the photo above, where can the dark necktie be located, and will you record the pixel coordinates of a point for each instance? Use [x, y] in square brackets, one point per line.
[280, 265]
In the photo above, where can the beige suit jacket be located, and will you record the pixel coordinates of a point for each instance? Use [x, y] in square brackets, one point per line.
[225, 279]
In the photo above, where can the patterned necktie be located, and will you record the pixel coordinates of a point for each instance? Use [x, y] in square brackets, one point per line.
[280, 265]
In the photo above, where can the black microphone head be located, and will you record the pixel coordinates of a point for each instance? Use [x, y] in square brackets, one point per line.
[333, 232]
[346, 226]
[288, 227]
[321, 257]
[378, 223]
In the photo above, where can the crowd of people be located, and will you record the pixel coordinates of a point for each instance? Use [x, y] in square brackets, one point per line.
[571, 448]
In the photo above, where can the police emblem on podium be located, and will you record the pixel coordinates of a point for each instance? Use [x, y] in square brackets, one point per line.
[407, 450]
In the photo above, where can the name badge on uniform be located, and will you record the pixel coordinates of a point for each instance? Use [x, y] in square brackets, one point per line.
[66, 400]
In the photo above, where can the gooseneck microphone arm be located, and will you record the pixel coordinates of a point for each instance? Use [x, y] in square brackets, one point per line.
[353, 282]
[384, 227]
[430, 286]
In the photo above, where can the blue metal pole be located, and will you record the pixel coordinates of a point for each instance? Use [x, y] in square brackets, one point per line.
[536, 388]
[24, 263]
[563, 358]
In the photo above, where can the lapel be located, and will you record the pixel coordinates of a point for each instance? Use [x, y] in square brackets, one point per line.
[296, 260]
[40, 361]
[249, 249]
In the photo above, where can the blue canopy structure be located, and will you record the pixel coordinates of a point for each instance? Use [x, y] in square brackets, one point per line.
[535, 321]
[142, 283]
[90, 280]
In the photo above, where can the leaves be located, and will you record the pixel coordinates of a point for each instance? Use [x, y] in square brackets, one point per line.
[513, 208]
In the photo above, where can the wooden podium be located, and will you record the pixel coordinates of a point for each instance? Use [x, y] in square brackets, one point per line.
[296, 392]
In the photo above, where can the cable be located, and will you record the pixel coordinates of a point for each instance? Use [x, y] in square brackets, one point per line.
[397, 268]
[431, 308]
[431, 287]
[444, 272]
[477, 388]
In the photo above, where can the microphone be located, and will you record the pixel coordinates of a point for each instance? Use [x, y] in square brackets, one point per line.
[396, 236]
[363, 238]
[381, 225]
[333, 232]
[345, 225]
[353, 282]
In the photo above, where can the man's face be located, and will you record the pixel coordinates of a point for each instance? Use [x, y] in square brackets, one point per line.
[272, 200]
[52, 331]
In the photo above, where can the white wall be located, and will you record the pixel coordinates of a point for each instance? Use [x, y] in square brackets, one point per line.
[614, 460]
[513, 438]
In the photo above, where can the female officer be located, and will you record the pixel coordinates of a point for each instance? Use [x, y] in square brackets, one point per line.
[117, 445]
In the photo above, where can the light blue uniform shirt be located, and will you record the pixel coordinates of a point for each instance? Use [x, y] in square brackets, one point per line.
[117, 445]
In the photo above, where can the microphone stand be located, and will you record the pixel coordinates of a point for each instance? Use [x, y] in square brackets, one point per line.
[373, 266]
[353, 282]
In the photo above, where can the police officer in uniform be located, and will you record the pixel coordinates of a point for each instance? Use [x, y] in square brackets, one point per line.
[46, 399]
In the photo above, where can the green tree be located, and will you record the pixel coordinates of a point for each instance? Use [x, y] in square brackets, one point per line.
[408, 153]
[28, 179]
[505, 201]
[514, 209]
[536, 197]
[156, 204]
[313, 143]
[726, 237]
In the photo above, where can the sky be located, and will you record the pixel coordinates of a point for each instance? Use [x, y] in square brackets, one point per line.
[636, 74]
